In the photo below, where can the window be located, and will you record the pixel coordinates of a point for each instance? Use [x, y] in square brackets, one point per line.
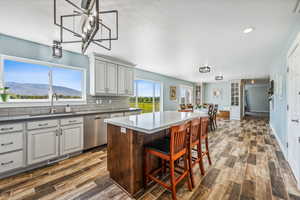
[186, 95]
[147, 96]
[34, 81]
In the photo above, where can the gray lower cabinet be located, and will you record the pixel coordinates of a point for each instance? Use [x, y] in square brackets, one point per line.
[42, 145]
[71, 139]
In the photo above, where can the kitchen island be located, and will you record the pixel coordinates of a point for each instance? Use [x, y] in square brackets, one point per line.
[125, 145]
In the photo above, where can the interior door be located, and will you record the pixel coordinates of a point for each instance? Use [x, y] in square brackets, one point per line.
[294, 112]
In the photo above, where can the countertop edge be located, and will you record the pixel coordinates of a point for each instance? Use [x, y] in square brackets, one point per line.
[74, 114]
[148, 131]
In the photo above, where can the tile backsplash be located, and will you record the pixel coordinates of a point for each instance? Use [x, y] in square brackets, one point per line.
[93, 103]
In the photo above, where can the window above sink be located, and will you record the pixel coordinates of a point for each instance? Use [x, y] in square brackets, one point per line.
[33, 82]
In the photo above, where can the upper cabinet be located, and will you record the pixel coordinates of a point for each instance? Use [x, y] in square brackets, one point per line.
[110, 78]
[125, 80]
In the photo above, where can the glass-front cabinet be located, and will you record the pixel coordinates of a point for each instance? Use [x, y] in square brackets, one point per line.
[235, 100]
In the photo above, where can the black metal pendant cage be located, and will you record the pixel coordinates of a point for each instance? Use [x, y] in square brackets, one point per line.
[88, 12]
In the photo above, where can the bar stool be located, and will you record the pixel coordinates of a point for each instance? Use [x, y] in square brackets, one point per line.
[194, 140]
[198, 135]
[169, 150]
[204, 139]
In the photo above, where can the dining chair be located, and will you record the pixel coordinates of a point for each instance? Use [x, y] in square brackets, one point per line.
[211, 117]
[215, 112]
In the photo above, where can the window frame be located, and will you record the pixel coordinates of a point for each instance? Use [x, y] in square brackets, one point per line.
[161, 93]
[42, 102]
[186, 87]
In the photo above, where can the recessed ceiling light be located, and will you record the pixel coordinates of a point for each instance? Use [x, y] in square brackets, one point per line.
[248, 30]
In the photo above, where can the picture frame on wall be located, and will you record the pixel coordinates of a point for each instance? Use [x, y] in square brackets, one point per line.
[173, 93]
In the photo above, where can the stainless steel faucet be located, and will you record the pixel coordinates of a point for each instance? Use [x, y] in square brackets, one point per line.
[52, 109]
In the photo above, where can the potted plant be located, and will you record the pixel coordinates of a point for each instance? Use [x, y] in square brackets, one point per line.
[4, 95]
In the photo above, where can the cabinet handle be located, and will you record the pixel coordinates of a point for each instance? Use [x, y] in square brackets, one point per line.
[97, 118]
[43, 124]
[57, 132]
[6, 144]
[295, 120]
[72, 121]
[7, 163]
[7, 129]
[61, 131]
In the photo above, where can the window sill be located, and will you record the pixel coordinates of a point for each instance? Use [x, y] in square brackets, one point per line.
[40, 104]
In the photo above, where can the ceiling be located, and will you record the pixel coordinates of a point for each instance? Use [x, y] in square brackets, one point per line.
[176, 37]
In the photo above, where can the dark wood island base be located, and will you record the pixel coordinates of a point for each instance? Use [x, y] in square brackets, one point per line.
[125, 154]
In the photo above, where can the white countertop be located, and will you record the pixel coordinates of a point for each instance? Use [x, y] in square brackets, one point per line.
[154, 122]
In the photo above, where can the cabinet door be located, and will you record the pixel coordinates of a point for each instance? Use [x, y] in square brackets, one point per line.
[122, 81]
[112, 80]
[71, 139]
[42, 145]
[100, 77]
[130, 81]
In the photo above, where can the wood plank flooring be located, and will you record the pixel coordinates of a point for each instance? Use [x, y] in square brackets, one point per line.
[247, 164]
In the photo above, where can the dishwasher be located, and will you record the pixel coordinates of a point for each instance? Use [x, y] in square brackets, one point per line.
[95, 131]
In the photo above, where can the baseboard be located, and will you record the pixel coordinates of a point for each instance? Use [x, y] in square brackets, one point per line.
[279, 141]
[260, 111]
[284, 152]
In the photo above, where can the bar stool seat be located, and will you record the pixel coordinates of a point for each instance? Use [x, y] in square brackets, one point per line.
[160, 145]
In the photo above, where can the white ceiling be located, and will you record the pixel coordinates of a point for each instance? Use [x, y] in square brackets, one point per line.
[175, 37]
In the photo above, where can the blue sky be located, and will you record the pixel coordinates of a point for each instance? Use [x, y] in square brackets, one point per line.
[145, 88]
[20, 72]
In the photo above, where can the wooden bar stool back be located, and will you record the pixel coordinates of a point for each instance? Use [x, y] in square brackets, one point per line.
[176, 149]
[204, 139]
[194, 140]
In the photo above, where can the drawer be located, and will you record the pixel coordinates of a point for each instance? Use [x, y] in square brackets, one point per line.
[7, 128]
[11, 142]
[73, 120]
[11, 161]
[42, 124]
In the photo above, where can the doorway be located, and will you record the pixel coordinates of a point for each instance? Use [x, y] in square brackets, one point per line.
[256, 98]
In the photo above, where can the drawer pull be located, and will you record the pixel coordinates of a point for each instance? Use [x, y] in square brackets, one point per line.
[45, 124]
[7, 163]
[7, 129]
[6, 144]
[97, 118]
[72, 121]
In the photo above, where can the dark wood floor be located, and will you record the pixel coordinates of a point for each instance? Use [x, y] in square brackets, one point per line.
[247, 164]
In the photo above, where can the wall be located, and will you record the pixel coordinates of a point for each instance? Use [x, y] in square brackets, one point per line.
[278, 115]
[223, 100]
[26, 49]
[257, 97]
[166, 82]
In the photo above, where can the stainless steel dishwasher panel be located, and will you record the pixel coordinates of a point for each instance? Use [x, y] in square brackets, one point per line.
[95, 133]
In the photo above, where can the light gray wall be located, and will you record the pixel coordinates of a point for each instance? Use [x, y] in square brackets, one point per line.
[223, 100]
[278, 115]
[166, 82]
[257, 97]
[12, 46]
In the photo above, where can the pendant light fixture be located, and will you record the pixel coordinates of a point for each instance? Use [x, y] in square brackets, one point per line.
[88, 24]
[219, 78]
[205, 69]
[56, 49]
